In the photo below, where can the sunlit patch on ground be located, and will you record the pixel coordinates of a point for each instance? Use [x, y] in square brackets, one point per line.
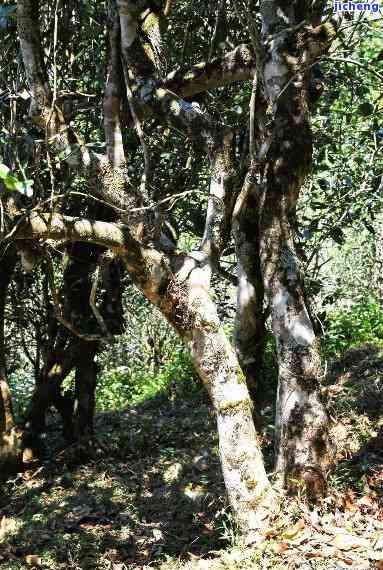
[150, 497]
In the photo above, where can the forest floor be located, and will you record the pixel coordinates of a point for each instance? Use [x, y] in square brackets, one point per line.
[153, 495]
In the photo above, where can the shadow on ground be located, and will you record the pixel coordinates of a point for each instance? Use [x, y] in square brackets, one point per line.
[356, 404]
[154, 490]
[155, 487]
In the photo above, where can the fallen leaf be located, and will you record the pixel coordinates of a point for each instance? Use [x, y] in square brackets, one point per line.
[280, 547]
[33, 560]
[349, 502]
[347, 561]
[294, 530]
[348, 541]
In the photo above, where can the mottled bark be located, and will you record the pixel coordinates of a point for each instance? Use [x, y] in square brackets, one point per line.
[236, 65]
[250, 331]
[303, 449]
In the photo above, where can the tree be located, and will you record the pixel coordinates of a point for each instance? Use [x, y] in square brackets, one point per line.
[9, 444]
[259, 196]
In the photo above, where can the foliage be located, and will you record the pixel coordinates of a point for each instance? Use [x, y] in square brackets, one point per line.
[11, 182]
[123, 386]
[21, 388]
[340, 206]
[349, 327]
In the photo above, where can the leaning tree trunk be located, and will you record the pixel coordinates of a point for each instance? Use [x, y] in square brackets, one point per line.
[9, 442]
[183, 296]
[243, 470]
[303, 449]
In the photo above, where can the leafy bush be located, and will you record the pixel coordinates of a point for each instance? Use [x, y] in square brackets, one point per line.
[345, 328]
[21, 383]
[120, 387]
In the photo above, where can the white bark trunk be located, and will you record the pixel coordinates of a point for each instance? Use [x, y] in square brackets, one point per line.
[247, 485]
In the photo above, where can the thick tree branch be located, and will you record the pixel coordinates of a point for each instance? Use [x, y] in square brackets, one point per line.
[149, 93]
[59, 227]
[237, 65]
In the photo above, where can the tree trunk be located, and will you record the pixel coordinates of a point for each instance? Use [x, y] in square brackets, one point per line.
[250, 331]
[191, 310]
[9, 442]
[85, 387]
[60, 362]
[303, 449]
[66, 351]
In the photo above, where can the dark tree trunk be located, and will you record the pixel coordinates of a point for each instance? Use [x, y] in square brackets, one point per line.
[250, 331]
[60, 361]
[9, 441]
[85, 388]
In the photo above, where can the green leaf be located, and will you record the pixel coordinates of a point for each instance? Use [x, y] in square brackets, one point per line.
[4, 170]
[10, 182]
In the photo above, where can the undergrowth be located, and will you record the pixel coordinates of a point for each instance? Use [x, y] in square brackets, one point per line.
[349, 327]
[120, 387]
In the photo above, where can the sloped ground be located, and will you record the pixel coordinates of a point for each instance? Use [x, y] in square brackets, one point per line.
[153, 495]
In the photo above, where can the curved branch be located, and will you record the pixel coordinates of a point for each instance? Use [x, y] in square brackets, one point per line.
[59, 227]
[237, 65]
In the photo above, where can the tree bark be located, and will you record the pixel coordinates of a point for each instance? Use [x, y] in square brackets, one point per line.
[246, 482]
[85, 388]
[9, 441]
[250, 331]
[303, 449]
